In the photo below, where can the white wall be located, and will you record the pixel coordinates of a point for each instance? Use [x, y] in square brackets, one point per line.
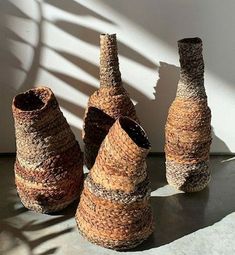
[56, 43]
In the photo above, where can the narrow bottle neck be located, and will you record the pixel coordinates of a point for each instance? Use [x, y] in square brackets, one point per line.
[109, 65]
[191, 83]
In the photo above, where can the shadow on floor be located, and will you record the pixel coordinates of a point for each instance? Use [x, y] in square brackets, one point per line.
[181, 214]
[16, 222]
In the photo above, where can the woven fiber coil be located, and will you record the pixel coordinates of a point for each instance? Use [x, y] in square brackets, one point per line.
[188, 129]
[114, 210]
[49, 162]
[108, 103]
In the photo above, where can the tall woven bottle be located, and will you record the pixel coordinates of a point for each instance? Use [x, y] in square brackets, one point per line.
[114, 209]
[188, 129]
[108, 103]
[49, 162]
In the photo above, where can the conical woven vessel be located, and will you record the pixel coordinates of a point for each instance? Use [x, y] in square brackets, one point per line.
[114, 210]
[188, 129]
[49, 162]
[108, 103]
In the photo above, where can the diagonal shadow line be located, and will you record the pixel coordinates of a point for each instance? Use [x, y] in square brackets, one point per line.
[93, 70]
[15, 231]
[73, 82]
[71, 107]
[89, 89]
[33, 71]
[12, 59]
[171, 25]
[76, 8]
[20, 210]
[85, 34]
[8, 82]
[13, 10]
[78, 131]
[91, 36]
[130, 53]
[33, 244]
[12, 35]
[87, 66]
[33, 226]
[134, 93]
[48, 252]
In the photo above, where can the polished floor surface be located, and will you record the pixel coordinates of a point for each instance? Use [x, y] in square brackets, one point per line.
[199, 223]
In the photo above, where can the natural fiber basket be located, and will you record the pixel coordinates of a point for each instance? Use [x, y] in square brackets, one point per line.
[108, 103]
[49, 162]
[188, 129]
[114, 210]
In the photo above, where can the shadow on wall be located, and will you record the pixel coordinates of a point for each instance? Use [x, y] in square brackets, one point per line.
[174, 210]
[91, 36]
[152, 113]
[177, 19]
[174, 27]
[7, 62]
[218, 143]
[74, 7]
[10, 65]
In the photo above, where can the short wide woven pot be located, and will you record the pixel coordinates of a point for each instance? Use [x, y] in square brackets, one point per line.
[114, 209]
[188, 129]
[49, 162]
[108, 103]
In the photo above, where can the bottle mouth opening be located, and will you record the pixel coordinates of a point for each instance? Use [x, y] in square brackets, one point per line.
[194, 40]
[107, 35]
[135, 132]
[33, 99]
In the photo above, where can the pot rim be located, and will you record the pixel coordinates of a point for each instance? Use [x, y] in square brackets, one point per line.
[36, 89]
[107, 35]
[190, 40]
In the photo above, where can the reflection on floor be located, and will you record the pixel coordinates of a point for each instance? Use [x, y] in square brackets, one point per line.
[199, 223]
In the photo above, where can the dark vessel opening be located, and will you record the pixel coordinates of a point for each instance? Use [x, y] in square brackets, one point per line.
[34, 99]
[109, 35]
[135, 132]
[97, 120]
[193, 40]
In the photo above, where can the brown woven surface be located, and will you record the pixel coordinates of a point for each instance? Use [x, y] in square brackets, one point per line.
[114, 210]
[48, 167]
[108, 103]
[188, 130]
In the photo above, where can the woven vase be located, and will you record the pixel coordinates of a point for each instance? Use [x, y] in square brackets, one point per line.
[49, 162]
[188, 129]
[106, 104]
[114, 210]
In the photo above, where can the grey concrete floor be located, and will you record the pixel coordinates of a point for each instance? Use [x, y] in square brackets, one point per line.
[199, 223]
